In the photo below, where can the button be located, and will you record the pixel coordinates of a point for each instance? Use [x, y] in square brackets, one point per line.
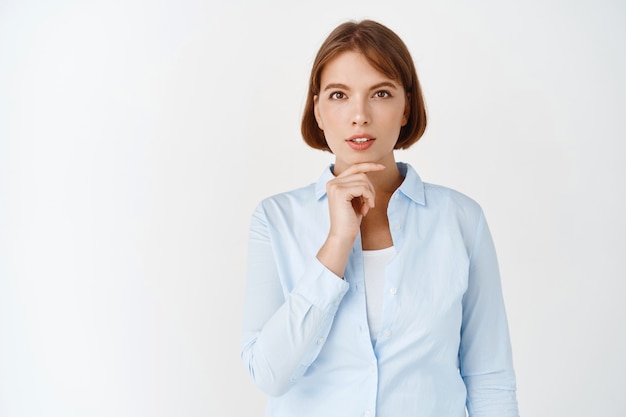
[320, 341]
[396, 227]
[396, 196]
[368, 413]
[387, 333]
[372, 368]
[393, 291]
[337, 303]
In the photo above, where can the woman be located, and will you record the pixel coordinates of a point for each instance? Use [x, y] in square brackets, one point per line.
[371, 293]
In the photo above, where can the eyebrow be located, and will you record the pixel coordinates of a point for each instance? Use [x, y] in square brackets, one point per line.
[340, 86]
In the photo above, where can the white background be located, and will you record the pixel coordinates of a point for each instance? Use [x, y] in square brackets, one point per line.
[136, 137]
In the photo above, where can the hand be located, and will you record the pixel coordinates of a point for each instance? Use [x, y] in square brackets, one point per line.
[350, 196]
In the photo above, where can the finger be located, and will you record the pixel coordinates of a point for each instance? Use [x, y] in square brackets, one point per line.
[360, 206]
[357, 187]
[364, 191]
[361, 168]
[368, 204]
[365, 208]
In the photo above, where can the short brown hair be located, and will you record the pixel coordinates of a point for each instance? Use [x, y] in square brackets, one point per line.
[386, 52]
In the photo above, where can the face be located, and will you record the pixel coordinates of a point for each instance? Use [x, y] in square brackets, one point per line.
[360, 111]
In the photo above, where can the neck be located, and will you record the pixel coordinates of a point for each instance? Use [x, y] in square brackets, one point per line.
[387, 180]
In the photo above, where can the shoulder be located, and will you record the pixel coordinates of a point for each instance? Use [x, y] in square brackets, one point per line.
[433, 196]
[288, 203]
[455, 210]
[297, 201]
[285, 213]
[300, 195]
[444, 196]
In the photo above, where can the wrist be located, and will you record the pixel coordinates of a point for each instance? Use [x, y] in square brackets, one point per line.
[334, 254]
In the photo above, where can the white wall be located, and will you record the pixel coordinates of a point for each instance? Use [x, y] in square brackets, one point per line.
[136, 137]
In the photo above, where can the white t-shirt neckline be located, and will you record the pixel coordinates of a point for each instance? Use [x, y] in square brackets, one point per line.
[374, 267]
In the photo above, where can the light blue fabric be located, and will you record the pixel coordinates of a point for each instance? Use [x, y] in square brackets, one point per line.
[444, 342]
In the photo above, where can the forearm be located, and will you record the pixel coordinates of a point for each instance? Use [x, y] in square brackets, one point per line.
[334, 254]
[283, 336]
[492, 394]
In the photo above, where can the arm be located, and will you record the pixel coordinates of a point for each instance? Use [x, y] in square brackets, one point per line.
[350, 197]
[485, 352]
[282, 335]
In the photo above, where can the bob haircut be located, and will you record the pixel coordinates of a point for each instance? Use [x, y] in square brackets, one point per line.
[386, 52]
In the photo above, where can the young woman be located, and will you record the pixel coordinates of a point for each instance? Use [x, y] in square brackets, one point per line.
[370, 292]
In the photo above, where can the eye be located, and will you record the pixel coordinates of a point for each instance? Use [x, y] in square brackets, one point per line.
[382, 94]
[337, 95]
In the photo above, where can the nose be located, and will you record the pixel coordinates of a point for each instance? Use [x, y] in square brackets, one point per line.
[360, 113]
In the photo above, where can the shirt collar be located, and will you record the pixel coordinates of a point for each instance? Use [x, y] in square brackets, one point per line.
[412, 186]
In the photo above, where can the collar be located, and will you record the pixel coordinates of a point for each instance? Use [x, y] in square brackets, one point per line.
[412, 186]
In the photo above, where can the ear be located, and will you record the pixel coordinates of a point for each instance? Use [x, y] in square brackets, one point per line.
[316, 112]
[407, 109]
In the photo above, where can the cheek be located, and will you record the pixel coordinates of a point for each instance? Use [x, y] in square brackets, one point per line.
[399, 117]
[330, 118]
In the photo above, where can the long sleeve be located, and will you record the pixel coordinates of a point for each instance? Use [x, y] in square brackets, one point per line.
[443, 347]
[485, 351]
[284, 332]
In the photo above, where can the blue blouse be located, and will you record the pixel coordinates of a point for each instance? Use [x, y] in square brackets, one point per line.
[443, 344]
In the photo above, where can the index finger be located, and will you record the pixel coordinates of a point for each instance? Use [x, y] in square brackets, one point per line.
[362, 168]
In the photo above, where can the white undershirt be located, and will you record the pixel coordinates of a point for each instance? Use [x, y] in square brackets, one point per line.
[374, 267]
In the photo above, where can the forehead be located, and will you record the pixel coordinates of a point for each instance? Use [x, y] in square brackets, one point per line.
[351, 66]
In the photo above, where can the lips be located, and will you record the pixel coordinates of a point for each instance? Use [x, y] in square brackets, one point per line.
[360, 138]
[360, 142]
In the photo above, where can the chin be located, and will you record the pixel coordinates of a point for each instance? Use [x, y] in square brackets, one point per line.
[355, 160]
